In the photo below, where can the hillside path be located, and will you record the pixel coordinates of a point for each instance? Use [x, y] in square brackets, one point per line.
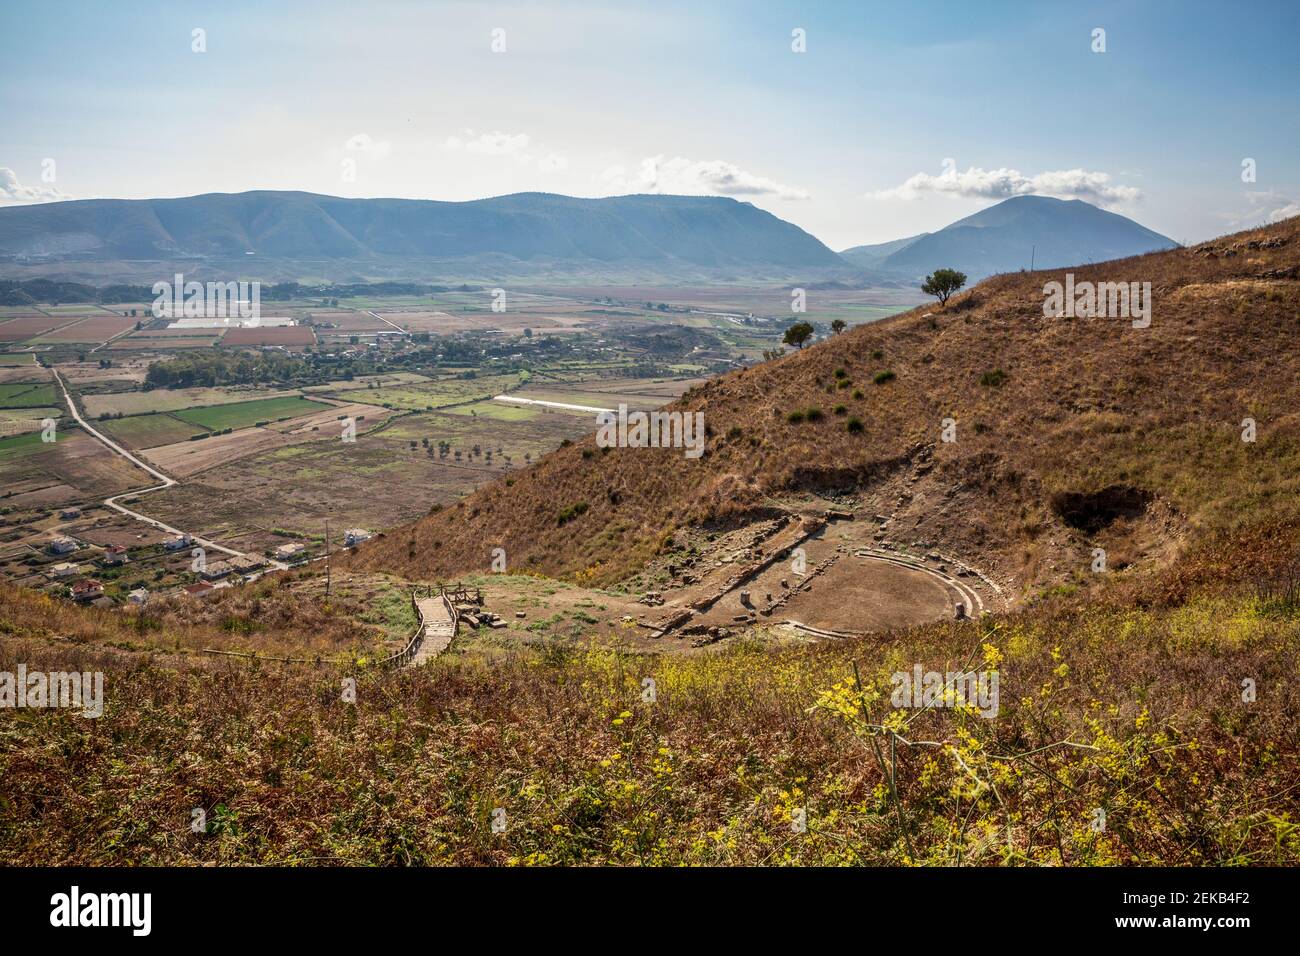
[439, 628]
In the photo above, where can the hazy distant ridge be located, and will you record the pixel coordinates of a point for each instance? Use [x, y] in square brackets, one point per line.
[695, 231]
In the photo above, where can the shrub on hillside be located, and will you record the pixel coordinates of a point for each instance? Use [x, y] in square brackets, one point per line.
[573, 511]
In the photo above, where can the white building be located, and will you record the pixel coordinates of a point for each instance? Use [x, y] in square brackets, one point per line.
[287, 552]
[354, 536]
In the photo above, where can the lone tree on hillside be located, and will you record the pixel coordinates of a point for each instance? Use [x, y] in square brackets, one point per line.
[943, 283]
[798, 334]
[838, 326]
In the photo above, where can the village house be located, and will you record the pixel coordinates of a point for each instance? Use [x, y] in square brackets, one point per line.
[63, 546]
[239, 564]
[246, 563]
[287, 552]
[216, 570]
[114, 554]
[67, 514]
[63, 570]
[201, 589]
[354, 536]
[138, 596]
[87, 590]
[177, 542]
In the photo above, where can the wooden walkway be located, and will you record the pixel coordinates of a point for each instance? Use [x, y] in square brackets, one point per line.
[439, 627]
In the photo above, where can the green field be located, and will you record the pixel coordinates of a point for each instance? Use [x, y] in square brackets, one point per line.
[171, 400]
[147, 431]
[17, 358]
[28, 395]
[243, 414]
[24, 414]
[17, 446]
[421, 397]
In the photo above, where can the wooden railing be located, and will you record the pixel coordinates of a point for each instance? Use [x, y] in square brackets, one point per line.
[412, 646]
[407, 653]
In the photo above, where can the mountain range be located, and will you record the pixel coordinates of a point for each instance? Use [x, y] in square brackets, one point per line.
[661, 233]
[279, 235]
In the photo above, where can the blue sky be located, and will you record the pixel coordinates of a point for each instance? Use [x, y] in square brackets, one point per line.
[848, 139]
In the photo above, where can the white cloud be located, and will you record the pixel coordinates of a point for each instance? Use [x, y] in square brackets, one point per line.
[1284, 212]
[975, 183]
[690, 177]
[489, 144]
[12, 191]
[1285, 208]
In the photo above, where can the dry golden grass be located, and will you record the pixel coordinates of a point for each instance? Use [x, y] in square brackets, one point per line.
[281, 615]
[1136, 710]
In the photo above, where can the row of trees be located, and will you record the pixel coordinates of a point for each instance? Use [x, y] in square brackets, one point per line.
[224, 368]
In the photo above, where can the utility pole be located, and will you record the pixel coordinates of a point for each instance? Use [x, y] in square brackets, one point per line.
[327, 560]
[1032, 250]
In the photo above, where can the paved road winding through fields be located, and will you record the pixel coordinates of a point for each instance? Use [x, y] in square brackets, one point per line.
[165, 481]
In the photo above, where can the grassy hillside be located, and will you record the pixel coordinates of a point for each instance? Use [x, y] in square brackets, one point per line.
[1071, 434]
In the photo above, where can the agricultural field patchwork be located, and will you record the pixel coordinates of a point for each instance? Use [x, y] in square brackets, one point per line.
[297, 486]
[91, 330]
[73, 467]
[25, 327]
[243, 414]
[147, 431]
[14, 421]
[172, 400]
[424, 396]
[258, 454]
[19, 446]
[28, 395]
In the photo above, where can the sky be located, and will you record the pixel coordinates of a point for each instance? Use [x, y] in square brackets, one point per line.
[858, 121]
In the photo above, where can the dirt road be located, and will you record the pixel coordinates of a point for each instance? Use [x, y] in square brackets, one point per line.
[165, 481]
